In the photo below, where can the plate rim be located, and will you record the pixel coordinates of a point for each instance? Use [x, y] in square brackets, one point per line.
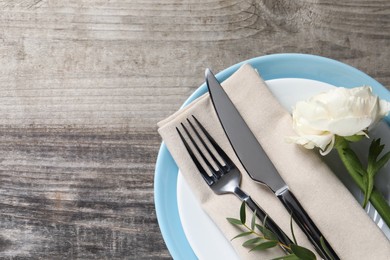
[165, 186]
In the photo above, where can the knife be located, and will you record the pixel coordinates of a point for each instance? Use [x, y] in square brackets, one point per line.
[259, 166]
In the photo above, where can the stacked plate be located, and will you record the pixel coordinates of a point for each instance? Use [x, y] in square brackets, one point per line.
[291, 77]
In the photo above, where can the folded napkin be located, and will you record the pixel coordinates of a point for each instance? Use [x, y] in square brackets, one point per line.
[352, 234]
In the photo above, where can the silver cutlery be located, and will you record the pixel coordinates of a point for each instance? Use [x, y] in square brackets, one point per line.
[259, 166]
[225, 178]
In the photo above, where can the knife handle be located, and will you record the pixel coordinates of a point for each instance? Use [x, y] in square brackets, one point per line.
[306, 224]
[261, 215]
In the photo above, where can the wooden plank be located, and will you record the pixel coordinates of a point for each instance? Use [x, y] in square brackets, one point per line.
[83, 84]
[82, 193]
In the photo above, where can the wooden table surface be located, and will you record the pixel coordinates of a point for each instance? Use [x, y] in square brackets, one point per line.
[84, 82]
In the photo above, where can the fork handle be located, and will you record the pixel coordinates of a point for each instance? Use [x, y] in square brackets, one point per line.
[269, 223]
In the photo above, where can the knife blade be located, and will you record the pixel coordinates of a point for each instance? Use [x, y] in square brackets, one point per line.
[258, 165]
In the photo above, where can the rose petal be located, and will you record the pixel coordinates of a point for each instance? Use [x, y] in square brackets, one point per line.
[384, 107]
[349, 126]
[311, 141]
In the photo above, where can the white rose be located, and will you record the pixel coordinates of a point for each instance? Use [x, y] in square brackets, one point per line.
[340, 111]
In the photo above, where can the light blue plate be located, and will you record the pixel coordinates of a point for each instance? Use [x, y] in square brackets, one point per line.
[270, 67]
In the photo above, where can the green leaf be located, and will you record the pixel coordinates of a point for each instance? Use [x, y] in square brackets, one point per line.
[243, 213]
[303, 253]
[354, 138]
[268, 234]
[253, 222]
[252, 242]
[375, 149]
[264, 245]
[243, 234]
[374, 165]
[356, 170]
[234, 221]
[326, 249]
[292, 230]
[287, 257]
[265, 220]
[381, 162]
[368, 186]
[352, 162]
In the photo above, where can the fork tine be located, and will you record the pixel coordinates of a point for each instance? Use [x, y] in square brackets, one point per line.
[214, 173]
[229, 164]
[202, 171]
[220, 167]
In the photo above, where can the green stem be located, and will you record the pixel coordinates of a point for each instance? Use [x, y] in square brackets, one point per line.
[376, 197]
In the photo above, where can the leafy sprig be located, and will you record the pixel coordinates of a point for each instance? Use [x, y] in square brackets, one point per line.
[374, 165]
[259, 237]
[364, 176]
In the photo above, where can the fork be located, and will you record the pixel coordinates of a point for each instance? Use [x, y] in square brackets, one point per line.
[226, 178]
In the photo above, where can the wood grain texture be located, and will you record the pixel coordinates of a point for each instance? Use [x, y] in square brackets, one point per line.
[83, 84]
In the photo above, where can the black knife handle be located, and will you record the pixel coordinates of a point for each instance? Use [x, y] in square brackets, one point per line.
[306, 224]
[261, 215]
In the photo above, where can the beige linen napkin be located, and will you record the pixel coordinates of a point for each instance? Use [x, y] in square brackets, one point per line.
[352, 234]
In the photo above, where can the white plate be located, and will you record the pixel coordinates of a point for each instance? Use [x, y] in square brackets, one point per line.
[196, 222]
